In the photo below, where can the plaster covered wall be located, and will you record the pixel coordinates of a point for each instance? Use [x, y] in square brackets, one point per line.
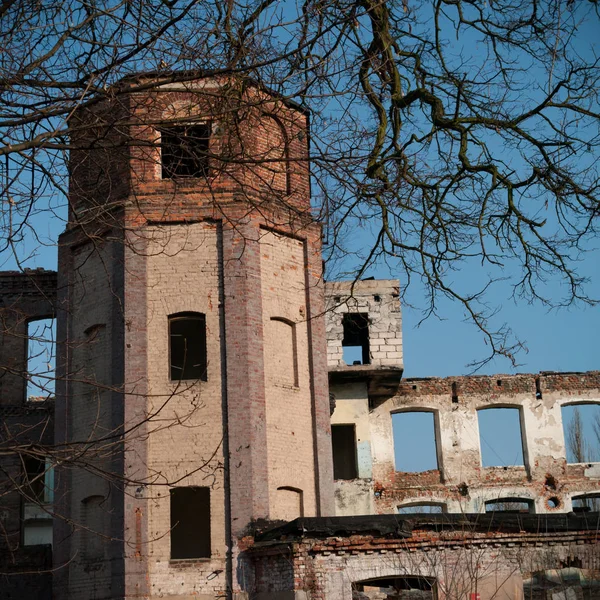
[461, 483]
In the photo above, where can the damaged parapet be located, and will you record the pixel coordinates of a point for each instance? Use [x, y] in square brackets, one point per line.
[364, 324]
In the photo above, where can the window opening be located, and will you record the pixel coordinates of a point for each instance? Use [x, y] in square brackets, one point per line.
[509, 505]
[187, 333]
[553, 502]
[41, 354]
[581, 427]
[586, 503]
[184, 150]
[343, 442]
[190, 522]
[38, 482]
[415, 447]
[396, 588]
[500, 437]
[355, 343]
[454, 393]
[422, 508]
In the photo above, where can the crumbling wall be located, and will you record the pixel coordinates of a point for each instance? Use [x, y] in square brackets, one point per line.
[461, 483]
[379, 299]
[463, 558]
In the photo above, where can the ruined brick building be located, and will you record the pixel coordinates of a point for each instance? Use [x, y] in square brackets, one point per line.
[208, 438]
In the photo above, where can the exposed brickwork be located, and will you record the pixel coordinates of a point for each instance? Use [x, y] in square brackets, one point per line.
[25, 426]
[239, 247]
[380, 300]
[461, 560]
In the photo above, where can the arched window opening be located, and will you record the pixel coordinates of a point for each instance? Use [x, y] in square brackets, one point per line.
[500, 436]
[422, 508]
[187, 351]
[586, 503]
[415, 441]
[509, 505]
[581, 428]
[290, 503]
[405, 587]
[41, 354]
[275, 156]
[94, 520]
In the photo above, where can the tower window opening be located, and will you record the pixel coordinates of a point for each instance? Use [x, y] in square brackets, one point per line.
[343, 442]
[356, 339]
[190, 522]
[184, 150]
[187, 333]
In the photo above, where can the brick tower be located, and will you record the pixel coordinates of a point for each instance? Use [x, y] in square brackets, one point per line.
[193, 377]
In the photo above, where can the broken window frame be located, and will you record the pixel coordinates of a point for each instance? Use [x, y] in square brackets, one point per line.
[359, 338]
[190, 537]
[199, 371]
[192, 159]
[436, 437]
[522, 431]
[353, 467]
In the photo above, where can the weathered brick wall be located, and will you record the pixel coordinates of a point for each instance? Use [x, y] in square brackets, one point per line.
[195, 245]
[25, 427]
[24, 296]
[88, 393]
[378, 298]
[290, 447]
[184, 446]
[461, 561]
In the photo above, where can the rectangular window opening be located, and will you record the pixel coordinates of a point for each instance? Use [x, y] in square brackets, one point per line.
[415, 444]
[38, 494]
[190, 522]
[41, 354]
[184, 150]
[343, 441]
[39, 480]
[187, 333]
[500, 437]
[586, 503]
[355, 342]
